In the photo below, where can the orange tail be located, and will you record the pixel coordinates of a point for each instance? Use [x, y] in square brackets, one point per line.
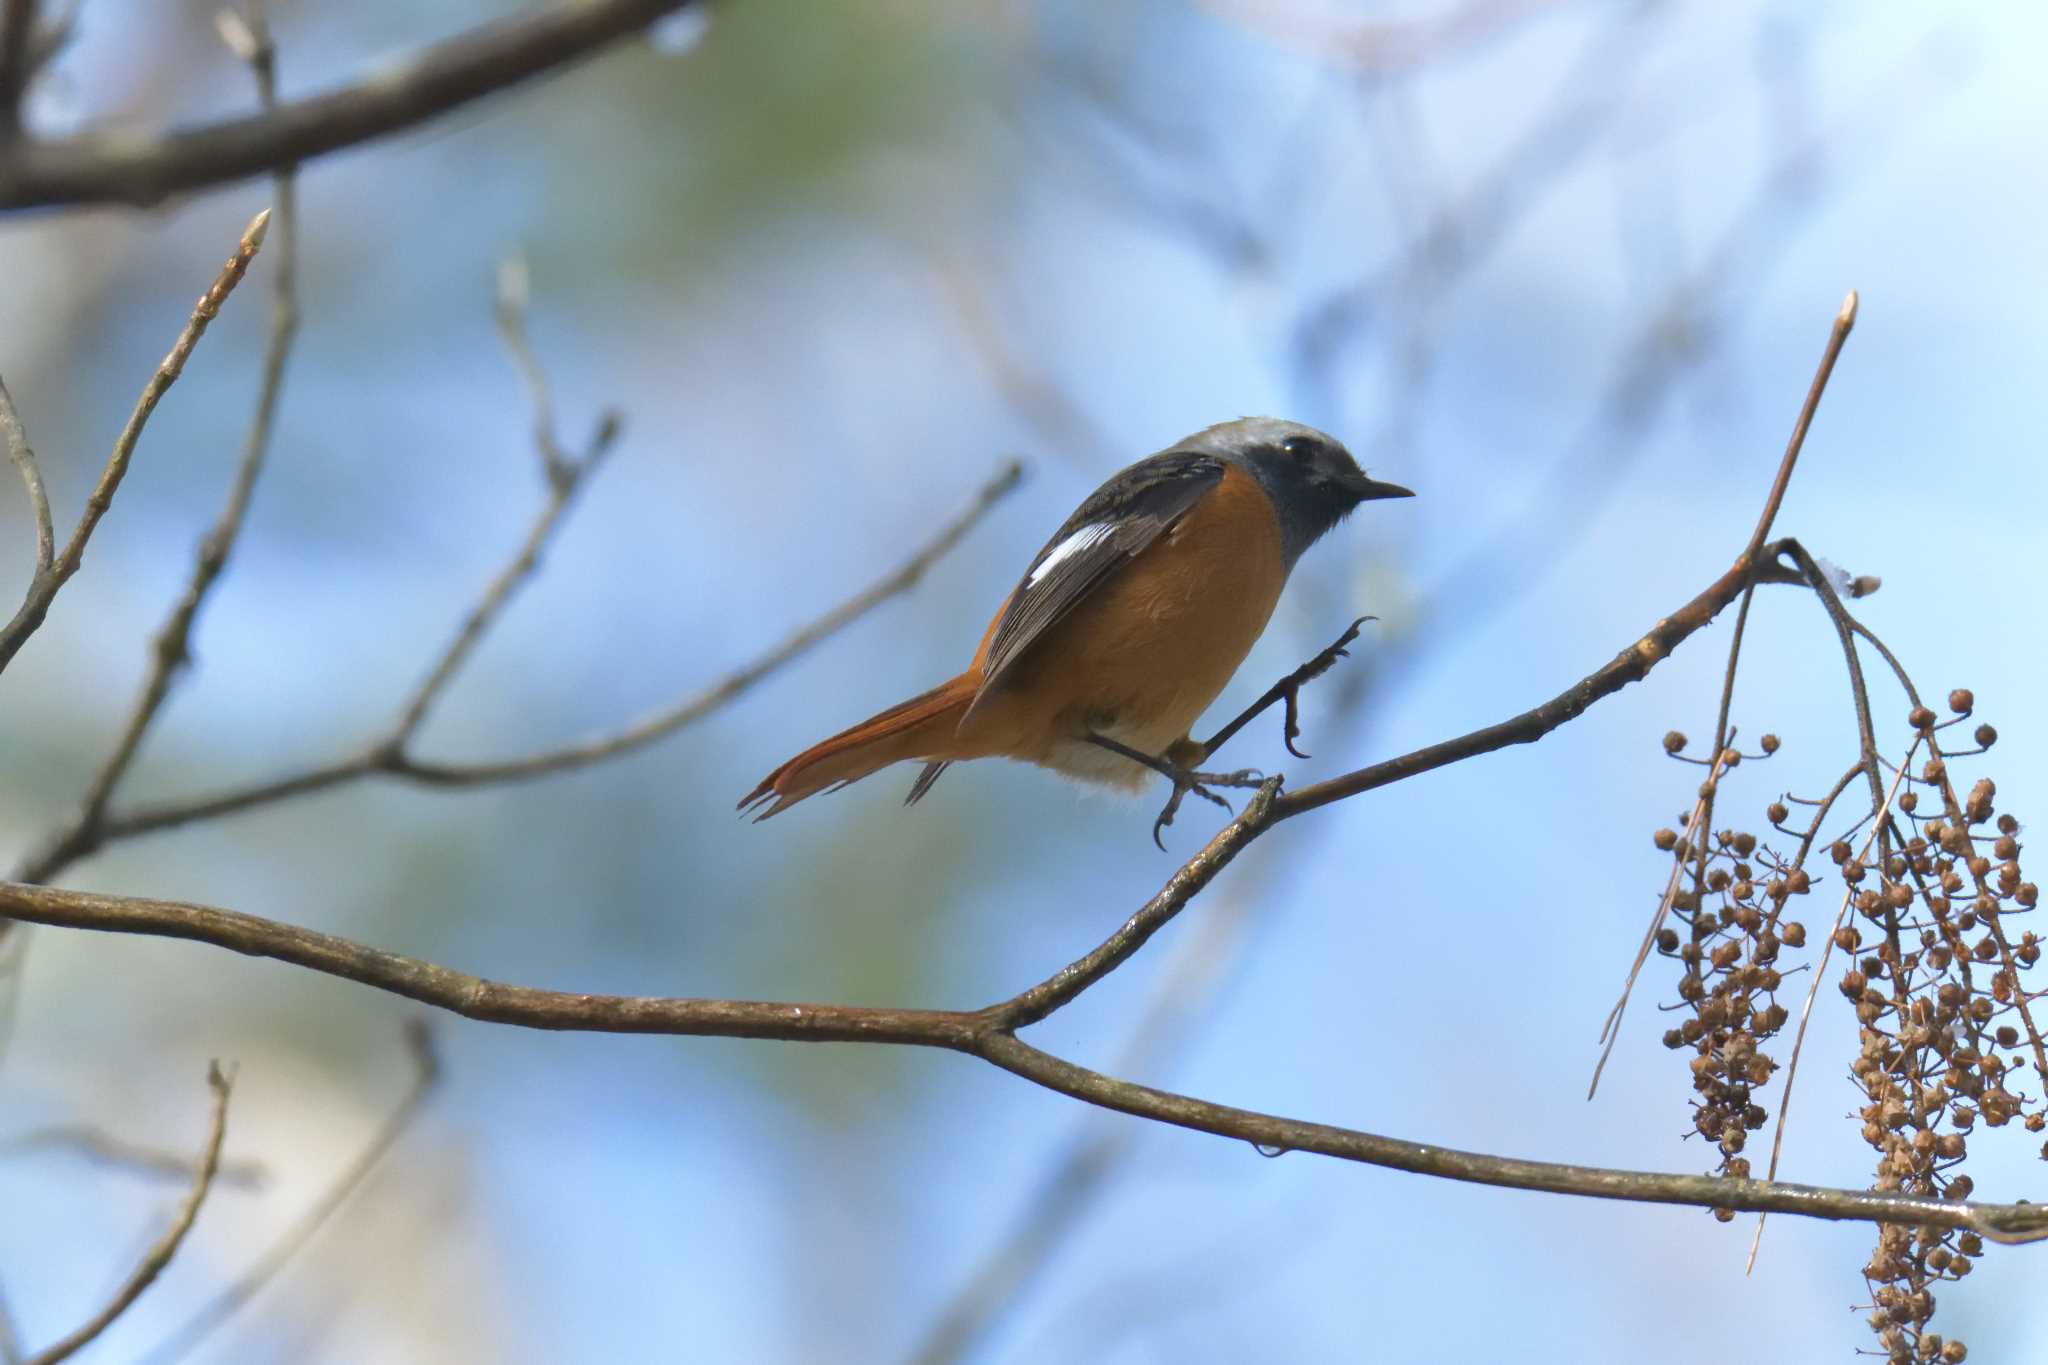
[919, 728]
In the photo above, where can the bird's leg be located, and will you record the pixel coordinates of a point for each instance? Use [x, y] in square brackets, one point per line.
[1182, 774]
[1288, 689]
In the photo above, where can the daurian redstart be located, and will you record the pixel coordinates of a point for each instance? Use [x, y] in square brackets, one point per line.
[1126, 625]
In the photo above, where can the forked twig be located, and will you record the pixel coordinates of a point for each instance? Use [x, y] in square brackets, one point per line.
[166, 1246]
[171, 648]
[44, 587]
[231, 1300]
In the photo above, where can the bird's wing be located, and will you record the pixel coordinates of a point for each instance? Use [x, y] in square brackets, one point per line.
[1105, 533]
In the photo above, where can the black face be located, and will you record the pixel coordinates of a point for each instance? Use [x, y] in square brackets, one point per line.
[1315, 484]
[1327, 470]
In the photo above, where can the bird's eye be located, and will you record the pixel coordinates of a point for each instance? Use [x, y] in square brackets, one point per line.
[1300, 447]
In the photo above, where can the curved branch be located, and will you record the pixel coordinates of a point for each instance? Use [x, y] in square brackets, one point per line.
[983, 1035]
[2022, 1222]
[473, 997]
[119, 168]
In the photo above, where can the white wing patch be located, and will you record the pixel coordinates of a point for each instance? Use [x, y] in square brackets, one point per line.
[1068, 548]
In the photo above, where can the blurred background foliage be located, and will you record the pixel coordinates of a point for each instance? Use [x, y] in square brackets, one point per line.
[1561, 267]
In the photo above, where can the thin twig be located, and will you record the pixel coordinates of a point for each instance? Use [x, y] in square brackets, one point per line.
[1702, 816]
[102, 1148]
[1051, 1212]
[142, 170]
[565, 481]
[1845, 320]
[513, 296]
[1695, 835]
[231, 1300]
[43, 588]
[171, 648]
[32, 477]
[381, 762]
[1813, 992]
[166, 1246]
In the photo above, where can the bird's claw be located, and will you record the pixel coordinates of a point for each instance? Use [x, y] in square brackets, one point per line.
[1290, 687]
[1185, 781]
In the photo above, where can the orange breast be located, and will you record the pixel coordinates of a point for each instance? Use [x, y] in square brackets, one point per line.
[1147, 652]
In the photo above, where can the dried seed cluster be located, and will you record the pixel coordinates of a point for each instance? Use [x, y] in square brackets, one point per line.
[1727, 932]
[1936, 975]
[1946, 1027]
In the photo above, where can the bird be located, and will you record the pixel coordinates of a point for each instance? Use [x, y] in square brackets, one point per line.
[1125, 627]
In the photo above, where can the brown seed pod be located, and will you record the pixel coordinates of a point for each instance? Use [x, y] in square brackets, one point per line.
[1674, 741]
[1962, 701]
[1920, 718]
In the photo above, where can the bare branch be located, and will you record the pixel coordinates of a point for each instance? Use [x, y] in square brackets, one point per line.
[32, 477]
[166, 1246]
[426, 1070]
[1838, 334]
[904, 577]
[381, 760]
[109, 168]
[44, 586]
[567, 478]
[983, 1034]
[1695, 825]
[171, 649]
[2011, 1223]
[474, 997]
[514, 293]
[102, 1148]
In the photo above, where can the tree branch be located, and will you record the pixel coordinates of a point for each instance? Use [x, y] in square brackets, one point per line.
[24, 460]
[127, 169]
[101, 1148]
[166, 1246]
[982, 1034]
[426, 1073]
[385, 759]
[171, 649]
[43, 588]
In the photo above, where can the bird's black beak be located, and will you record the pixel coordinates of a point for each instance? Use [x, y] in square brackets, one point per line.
[1366, 489]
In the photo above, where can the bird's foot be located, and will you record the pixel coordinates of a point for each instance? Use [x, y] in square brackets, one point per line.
[1177, 769]
[1187, 780]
